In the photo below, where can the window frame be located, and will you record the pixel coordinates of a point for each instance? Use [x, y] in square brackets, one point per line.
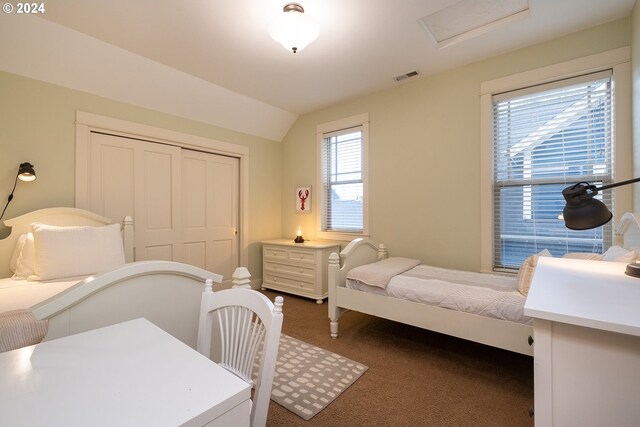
[617, 60]
[359, 120]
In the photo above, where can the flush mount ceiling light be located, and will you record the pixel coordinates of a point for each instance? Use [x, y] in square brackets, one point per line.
[293, 29]
[470, 18]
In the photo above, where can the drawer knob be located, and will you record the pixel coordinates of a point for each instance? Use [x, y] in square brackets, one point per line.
[301, 271]
[531, 413]
[530, 340]
[275, 279]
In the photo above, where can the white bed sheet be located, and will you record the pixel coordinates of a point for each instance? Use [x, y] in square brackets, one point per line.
[490, 295]
[23, 294]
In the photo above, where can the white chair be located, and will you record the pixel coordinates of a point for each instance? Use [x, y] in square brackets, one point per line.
[234, 325]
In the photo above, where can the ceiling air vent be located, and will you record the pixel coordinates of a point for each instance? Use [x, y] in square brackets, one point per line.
[405, 76]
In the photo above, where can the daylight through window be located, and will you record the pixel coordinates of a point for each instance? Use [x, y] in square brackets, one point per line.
[546, 138]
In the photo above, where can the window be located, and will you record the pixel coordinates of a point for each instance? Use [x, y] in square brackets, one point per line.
[343, 177]
[545, 138]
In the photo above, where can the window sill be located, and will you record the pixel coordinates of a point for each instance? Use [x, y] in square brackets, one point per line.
[334, 235]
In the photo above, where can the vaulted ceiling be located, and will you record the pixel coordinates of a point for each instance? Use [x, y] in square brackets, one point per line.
[363, 44]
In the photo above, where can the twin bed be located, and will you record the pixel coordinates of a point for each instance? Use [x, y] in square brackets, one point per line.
[481, 307]
[166, 293]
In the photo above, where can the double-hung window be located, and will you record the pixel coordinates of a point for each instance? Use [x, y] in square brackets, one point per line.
[545, 138]
[342, 153]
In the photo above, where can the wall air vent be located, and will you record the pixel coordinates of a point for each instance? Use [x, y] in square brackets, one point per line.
[405, 76]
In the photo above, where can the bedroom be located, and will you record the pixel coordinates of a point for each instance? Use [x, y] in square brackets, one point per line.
[411, 121]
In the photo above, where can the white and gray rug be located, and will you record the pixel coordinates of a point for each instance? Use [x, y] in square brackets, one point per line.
[308, 378]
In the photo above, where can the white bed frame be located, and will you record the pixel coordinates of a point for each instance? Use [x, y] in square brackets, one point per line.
[166, 293]
[60, 217]
[498, 333]
[494, 332]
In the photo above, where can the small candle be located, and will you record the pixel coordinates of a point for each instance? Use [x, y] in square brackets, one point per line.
[299, 231]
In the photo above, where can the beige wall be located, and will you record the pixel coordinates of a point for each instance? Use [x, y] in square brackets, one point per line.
[424, 152]
[37, 125]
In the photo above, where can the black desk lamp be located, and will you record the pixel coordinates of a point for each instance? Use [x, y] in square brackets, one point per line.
[583, 212]
[25, 173]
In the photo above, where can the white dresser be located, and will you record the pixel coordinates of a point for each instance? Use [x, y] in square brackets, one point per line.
[586, 343]
[297, 268]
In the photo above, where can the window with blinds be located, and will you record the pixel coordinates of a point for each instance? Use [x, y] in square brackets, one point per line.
[545, 138]
[342, 178]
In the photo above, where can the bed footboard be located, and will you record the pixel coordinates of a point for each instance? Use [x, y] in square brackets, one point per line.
[358, 252]
[164, 292]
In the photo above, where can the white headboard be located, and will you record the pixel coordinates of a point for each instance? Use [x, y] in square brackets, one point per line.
[628, 232]
[60, 217]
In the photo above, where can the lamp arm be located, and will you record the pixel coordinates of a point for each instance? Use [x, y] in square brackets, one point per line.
[618, 184]
[10, 198]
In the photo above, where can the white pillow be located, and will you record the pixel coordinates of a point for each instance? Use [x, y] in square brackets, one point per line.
[76, 251]
[525, 274]
[26, 259]
[583, 255]
[16, 252]
[619, 254]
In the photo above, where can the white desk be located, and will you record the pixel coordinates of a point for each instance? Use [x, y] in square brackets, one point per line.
[587, 343]
[129, 374]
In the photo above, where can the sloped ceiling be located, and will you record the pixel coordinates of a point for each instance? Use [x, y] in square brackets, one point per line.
[214, 61]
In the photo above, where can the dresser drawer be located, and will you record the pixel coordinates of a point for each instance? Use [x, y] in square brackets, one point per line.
[302, 256]
[295, 255]
[305, 271]
[287, 283]
[275, 252]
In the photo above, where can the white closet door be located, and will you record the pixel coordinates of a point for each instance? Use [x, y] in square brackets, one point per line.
[139, 178]
[210, 189]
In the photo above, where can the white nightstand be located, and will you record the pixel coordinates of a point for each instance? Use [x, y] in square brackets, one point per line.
[297, 268]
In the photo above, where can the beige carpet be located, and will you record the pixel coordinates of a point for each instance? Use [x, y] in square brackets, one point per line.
[415, 377]
[308, 378]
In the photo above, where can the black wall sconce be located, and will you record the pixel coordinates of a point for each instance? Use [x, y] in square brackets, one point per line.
[25, 173]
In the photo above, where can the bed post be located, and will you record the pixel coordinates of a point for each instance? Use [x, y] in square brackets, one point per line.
[127, 238]
[382, 252]
[333, 279]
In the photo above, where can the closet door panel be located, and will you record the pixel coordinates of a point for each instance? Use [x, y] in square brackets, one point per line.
[111, 181]
[158, 220]
[141, 179]
[210, 211]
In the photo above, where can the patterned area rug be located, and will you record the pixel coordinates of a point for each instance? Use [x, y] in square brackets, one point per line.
[309, 378]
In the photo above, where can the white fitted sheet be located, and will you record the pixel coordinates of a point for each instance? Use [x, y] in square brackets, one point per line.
[490, 295]
[23, 294]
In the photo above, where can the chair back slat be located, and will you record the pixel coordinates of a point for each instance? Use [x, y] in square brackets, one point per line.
[235, 326]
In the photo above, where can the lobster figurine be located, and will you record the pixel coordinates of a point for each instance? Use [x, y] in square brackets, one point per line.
[303, 197]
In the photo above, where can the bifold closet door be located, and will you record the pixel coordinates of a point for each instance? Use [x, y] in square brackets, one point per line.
[142, 179]
[184, 203]
[210, 190]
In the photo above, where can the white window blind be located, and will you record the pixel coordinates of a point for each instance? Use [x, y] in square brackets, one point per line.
[342, 180]
[545, 138]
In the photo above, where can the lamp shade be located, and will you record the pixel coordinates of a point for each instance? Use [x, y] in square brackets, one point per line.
[293, 29]
[582, 211]
[26, 172]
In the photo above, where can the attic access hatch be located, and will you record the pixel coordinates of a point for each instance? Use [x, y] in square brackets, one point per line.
[470, 18]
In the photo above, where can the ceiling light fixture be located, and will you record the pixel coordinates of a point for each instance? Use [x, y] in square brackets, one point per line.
[293, 29]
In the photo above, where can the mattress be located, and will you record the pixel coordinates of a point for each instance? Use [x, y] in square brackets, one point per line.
[23, 294]
[489, 295]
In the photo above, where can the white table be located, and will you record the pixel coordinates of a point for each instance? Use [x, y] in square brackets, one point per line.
[129, 374]
[587, 343]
